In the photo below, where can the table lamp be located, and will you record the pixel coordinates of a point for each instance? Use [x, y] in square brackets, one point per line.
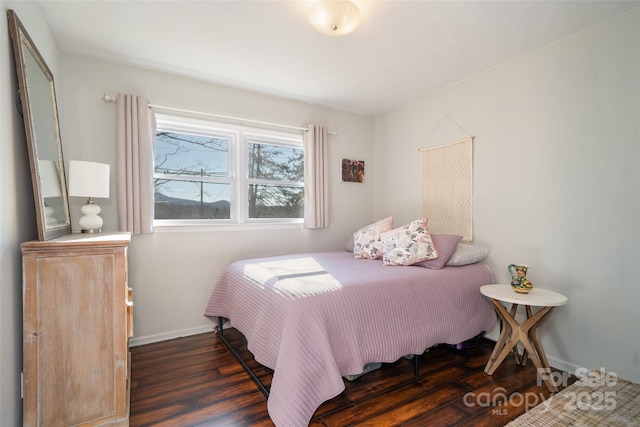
[91, 180]
[49, 187]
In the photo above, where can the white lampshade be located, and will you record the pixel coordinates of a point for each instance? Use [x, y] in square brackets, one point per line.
[334, 17]
[49, 179]
[88, 179]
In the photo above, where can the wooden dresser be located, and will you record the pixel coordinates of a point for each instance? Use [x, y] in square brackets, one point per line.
[77, 322]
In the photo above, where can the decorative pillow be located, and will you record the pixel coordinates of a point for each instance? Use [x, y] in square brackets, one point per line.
[408, 245]
[366, 241]
[467, 254]
[446, 245]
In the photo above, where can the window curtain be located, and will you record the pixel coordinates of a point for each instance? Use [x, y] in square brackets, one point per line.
[316, 178]
[136, 130]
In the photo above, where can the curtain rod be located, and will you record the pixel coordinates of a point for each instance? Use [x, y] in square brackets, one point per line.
[110, 98]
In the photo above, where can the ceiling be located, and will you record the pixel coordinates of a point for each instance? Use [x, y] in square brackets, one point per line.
[401, 50]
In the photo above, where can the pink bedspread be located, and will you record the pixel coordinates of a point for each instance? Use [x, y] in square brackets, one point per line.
[315, 317]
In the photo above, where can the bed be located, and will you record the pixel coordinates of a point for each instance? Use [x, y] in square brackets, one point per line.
[316, 317]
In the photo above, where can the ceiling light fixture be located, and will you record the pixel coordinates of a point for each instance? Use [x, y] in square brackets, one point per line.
[334, 17]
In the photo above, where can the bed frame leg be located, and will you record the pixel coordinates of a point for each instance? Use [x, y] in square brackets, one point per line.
[246, 367]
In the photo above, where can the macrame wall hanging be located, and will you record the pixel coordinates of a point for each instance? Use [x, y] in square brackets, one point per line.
[447, 186]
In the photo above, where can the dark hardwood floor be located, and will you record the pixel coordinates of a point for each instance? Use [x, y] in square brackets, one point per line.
[195, 381]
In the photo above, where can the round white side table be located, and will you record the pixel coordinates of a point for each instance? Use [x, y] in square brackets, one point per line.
[525, 332]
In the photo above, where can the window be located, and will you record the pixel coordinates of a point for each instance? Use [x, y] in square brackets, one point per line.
[213, 173]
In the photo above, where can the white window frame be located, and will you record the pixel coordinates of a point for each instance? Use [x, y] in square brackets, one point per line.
[239, 137]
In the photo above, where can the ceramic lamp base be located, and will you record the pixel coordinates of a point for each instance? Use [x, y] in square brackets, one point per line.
[90, 222]
[91, 231]
[48, 216]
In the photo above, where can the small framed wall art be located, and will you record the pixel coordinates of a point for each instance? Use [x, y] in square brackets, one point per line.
[352, 170]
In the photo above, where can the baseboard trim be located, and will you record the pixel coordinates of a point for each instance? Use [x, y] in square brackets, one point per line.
[572, 368]
[149, 339]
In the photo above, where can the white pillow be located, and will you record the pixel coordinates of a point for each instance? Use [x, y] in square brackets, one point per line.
[366, 241]
[467, 254]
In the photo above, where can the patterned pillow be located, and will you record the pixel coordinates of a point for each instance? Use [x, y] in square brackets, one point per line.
[366, 241]
[446, 245]
[467, 254]
[408, 245]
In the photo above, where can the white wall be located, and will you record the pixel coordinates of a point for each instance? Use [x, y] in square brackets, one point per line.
[17, 209]
[173, 273]
[556, 181]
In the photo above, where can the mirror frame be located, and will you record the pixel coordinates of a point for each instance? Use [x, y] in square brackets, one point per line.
[23, 46]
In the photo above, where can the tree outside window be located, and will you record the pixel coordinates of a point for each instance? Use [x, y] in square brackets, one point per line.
[208, 171]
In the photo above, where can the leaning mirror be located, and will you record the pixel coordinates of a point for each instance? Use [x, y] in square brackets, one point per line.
[40, 113]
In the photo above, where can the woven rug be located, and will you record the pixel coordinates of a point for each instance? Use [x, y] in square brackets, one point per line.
[598, 399]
